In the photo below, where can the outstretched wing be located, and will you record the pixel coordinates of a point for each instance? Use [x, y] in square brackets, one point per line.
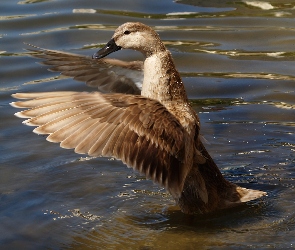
[108, 75]
[139, 131]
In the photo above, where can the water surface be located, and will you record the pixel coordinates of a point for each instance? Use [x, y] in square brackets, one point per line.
[237, 60]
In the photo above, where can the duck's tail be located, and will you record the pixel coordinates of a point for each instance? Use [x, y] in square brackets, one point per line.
[245, 195]
[221, 193]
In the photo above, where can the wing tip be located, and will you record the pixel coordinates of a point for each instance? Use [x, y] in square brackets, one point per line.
[23, 96]
[21, 115]
[39, 130]
[15, 105]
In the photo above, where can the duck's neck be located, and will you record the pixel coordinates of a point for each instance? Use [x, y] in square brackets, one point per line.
[161, 80]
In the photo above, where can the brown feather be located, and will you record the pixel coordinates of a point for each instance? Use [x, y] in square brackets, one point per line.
[92, 72]
[72, 131]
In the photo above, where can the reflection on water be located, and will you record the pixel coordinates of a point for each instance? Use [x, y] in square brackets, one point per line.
[237, 62]
[32, 1]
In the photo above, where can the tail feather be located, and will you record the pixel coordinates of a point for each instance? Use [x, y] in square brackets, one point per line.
[249, 194]
[241, 195]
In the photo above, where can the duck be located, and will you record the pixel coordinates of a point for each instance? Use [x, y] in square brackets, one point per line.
[140, 115]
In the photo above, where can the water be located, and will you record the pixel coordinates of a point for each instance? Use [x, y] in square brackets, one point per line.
[237, 60]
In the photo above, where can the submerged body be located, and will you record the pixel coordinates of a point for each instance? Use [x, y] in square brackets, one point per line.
[156, 133]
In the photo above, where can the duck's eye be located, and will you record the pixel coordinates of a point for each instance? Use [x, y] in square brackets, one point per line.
[127, 32]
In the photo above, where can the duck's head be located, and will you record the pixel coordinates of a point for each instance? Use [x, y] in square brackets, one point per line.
[136, 36]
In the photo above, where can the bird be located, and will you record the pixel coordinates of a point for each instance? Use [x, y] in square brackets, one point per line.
[140, 115]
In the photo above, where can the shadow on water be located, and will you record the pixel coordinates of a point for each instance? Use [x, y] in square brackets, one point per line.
[167, 228]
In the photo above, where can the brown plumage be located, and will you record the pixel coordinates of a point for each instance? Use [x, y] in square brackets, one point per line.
[156, 133]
